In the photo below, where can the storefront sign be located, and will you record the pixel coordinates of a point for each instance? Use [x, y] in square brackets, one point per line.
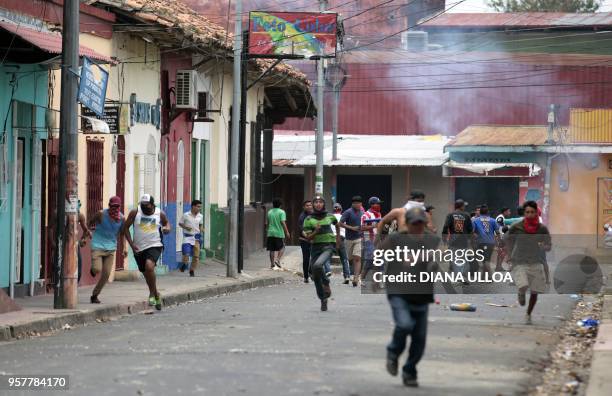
[111, 116]
[292, 33]
[92, 87]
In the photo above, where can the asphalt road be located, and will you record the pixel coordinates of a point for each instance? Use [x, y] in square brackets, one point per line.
[275, 341]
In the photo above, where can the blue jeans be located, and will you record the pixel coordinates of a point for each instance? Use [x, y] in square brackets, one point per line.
[320, 259]
[346, 268]
[410, 319]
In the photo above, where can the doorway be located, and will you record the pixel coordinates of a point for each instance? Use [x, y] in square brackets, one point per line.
[366, 186]
[495, 192]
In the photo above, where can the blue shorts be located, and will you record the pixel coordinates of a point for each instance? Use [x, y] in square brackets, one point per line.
[187, 249]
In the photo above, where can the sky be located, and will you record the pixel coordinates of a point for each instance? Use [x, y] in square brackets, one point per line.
[480, 6]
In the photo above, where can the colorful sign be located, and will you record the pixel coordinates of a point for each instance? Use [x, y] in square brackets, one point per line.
[292, 33]
[111, 117]
[92, 87]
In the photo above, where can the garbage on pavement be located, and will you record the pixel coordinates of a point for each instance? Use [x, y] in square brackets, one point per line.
[467, 307]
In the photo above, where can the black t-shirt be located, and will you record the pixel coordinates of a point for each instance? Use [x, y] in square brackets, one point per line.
[414, 292]
[459, 225]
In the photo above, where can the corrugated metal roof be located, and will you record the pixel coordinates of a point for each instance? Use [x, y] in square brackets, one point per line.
[49, 41]
[289, 146]
[282, 162]
[384, 150]
[519, 19]
[496, 135]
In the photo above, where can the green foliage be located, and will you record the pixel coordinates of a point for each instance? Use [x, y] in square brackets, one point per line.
[545, 5]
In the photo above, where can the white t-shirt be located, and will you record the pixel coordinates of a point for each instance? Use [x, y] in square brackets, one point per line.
[193, 223]
[342, 230]
[414, 204]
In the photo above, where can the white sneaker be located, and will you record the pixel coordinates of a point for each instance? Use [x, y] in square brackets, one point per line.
[528, 320]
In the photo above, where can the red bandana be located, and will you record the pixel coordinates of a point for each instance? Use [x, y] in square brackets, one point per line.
[531, 225]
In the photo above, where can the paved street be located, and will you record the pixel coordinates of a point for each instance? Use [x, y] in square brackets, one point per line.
[274, 340]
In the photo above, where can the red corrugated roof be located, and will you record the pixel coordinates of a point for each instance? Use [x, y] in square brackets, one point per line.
[49, 41]
[520, 19]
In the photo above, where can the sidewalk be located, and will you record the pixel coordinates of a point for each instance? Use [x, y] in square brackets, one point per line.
[600, 383]
[37, 315]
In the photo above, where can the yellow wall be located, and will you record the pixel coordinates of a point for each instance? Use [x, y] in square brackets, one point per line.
[575, 211]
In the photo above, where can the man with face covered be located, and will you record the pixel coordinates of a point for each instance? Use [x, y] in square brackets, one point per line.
[147, 244]
[318, 230]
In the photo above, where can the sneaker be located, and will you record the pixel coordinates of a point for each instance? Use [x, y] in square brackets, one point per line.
[94, 299]
[355, 281]
[392, 365]
[327, 291]
[306, 280]
[324, 304]
[158, 302]
[191, 273]
[152, 301]
[528, 319]
[328, 274]
[346, 281]
[410, 380]
[521, 299]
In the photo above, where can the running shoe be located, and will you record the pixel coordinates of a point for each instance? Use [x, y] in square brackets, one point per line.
[94, 300]
[324, 304]
[151, 301]
[392, 364]
[158, 302]
[410, 380]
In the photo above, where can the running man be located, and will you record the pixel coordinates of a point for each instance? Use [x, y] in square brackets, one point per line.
[369, 221]
[192, 224]
[527, 242]
[107, 226]
[304, 242]
[147, 244]
[485, 232]
[318, 229]
[351, 221]
[409, 301]
[501, 228]
[398, 215]
[277, 232]
[457, 231]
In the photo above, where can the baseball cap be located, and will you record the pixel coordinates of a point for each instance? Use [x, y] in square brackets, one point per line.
[416, 215]
[146, 198]
[460, 202]
[357, 198]
[374, 201]
[114, 201]
[337, 206]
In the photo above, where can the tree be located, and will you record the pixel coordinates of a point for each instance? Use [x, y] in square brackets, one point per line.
[545, 5]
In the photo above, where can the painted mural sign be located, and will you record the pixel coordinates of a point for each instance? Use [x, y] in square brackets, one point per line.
[604, 213]
[292, 33]
[92, 87]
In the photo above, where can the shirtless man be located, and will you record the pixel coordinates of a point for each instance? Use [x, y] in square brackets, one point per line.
[398, 215]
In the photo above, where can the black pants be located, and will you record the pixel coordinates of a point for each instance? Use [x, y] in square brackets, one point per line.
[305, 257]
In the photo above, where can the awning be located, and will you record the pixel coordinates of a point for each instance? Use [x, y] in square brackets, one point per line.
[50, 42]
[521, 169]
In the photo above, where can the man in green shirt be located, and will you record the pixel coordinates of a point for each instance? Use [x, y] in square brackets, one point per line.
[318, 230]
[277, 232]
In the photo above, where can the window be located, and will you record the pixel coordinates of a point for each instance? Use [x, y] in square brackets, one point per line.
[150, 162]
[95, 175]
[202, 104]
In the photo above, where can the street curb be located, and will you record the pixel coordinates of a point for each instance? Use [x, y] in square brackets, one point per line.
[81, 318]
[599, 379]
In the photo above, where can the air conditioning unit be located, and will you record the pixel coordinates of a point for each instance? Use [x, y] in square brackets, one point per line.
[186, 90]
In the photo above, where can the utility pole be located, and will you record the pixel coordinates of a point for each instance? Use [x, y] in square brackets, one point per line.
[65, 294]
[320, 117]
[232, 251]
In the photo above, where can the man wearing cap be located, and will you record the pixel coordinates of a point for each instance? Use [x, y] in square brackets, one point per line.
[457, 231]
[107, 225]
[147, 244]
[341, 251]
[351, 221]
[369, 221]
[409, 301]
[318, 230]
[397, 216]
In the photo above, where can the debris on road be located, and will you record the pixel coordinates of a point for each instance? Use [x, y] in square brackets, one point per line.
[568, 369]
[466, 307]
[501, 305]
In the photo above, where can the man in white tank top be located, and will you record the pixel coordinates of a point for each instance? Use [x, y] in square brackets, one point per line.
[147, 243]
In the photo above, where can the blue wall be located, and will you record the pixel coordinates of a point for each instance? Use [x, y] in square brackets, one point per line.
[31, 87]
